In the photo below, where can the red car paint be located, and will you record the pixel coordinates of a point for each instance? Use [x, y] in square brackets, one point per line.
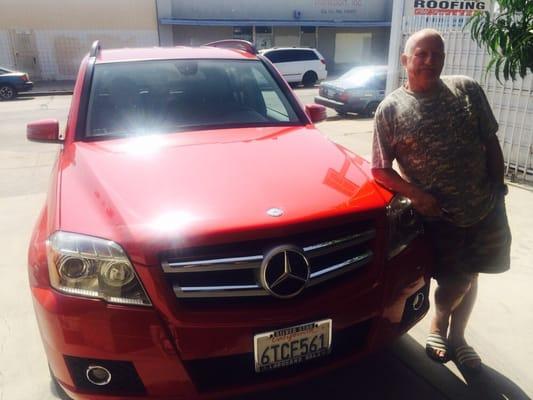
[196, 189]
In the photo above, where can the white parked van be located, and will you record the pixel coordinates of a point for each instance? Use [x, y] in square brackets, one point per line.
[297, 65]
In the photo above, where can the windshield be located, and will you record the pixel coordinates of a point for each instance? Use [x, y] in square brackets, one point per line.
[146, 97]
[358, 76]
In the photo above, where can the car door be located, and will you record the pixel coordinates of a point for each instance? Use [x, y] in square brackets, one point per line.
[289, 65]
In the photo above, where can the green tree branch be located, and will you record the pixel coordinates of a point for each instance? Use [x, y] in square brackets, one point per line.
[507, 36]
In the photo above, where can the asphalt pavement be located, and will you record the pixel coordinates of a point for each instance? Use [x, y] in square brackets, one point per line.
[501, 326]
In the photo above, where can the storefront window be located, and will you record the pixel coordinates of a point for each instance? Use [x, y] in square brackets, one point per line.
[243, 33]
[308, 36]
[353, 48]
[308, 29]
[263, 37]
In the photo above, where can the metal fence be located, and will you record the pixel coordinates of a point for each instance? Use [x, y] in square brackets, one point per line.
[510, 101]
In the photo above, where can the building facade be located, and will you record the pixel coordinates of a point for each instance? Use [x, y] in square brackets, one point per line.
[346, 32]
[48, 38]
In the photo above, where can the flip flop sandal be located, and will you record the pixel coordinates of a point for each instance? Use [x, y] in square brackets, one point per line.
[434, 343]
[465, 353]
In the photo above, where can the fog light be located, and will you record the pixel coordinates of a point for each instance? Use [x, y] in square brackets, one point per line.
[418, 301]
[98, 375]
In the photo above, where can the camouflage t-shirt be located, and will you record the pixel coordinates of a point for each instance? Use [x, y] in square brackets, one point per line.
[438, 140]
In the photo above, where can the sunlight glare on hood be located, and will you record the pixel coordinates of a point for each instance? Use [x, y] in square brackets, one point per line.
[174, 221]
[144, 146]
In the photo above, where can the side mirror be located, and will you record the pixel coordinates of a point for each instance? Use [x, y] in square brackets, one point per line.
[316, 112]
[45, 130]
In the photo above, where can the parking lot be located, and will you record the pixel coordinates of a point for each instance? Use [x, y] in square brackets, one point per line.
[501, 327]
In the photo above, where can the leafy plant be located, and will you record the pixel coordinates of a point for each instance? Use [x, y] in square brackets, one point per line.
[507, 35]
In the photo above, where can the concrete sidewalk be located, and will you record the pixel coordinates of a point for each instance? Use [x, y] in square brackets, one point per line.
[500, 329]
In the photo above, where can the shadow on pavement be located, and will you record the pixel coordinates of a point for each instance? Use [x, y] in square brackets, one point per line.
[491, 385]
[401, 371]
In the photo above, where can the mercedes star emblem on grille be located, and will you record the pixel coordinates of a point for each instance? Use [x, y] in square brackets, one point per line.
[285, 271]
[275, 212]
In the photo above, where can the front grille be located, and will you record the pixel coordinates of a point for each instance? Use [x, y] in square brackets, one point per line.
[223, 372]
[234, 270]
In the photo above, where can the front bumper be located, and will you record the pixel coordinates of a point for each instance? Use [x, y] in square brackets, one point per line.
[353, 105]
[206, 351]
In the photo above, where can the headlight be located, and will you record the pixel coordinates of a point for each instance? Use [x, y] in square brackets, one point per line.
[404, 224]
[91, 267]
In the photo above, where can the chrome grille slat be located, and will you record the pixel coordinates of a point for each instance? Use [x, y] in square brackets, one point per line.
[219, 291]
[333, 245]
[341, 268]
[213, 277]
[219, 264]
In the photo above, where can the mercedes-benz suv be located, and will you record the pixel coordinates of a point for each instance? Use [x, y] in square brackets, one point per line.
[201, 237]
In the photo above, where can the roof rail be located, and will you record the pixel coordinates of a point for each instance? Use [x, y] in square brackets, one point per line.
[95, 49]
[236, 44]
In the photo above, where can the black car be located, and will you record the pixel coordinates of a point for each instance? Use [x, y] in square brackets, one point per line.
[359, 90]
[13, 82]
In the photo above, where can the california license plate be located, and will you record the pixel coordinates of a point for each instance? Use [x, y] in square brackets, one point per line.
[292, 345]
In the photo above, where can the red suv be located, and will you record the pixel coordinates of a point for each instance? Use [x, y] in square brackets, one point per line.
[201, 237]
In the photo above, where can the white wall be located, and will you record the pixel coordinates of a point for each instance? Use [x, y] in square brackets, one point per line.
[6, 54]
[60, 52]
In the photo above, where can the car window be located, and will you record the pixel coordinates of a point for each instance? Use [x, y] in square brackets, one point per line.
[2, 71]
[273, 56]
[132, 98]
[364, 77]
[292, 55]
[381, 81]
[308, 55]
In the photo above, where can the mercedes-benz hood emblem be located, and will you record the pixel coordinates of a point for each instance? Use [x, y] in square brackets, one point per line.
[275, 212]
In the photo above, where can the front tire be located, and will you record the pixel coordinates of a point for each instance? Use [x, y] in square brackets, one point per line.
[7, 92]
[57, 387]
[371, 108]
[309, 79]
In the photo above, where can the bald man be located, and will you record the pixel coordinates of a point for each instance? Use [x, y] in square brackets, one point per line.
[442, 133]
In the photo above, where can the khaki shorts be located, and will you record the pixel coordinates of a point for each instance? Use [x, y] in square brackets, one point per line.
[461, 253]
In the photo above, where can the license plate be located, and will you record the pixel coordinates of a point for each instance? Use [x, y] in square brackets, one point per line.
[292, 345]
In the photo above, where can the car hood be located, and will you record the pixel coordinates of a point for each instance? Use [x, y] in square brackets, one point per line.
[188, 189]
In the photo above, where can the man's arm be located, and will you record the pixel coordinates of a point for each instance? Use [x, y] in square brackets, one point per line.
[423, 202]
[383, 155]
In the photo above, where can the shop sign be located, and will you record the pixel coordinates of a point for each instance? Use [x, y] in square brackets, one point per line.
[446, 7]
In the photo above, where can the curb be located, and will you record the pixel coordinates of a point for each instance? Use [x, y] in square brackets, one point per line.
[49, 93]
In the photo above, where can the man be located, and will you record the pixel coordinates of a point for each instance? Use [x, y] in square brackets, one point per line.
[441, 132]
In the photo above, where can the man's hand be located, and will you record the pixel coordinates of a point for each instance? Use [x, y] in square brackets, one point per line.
[426, 204]
[423, 202]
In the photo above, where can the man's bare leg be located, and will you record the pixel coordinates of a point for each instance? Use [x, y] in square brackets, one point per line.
[459, 319]
[447, 298]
